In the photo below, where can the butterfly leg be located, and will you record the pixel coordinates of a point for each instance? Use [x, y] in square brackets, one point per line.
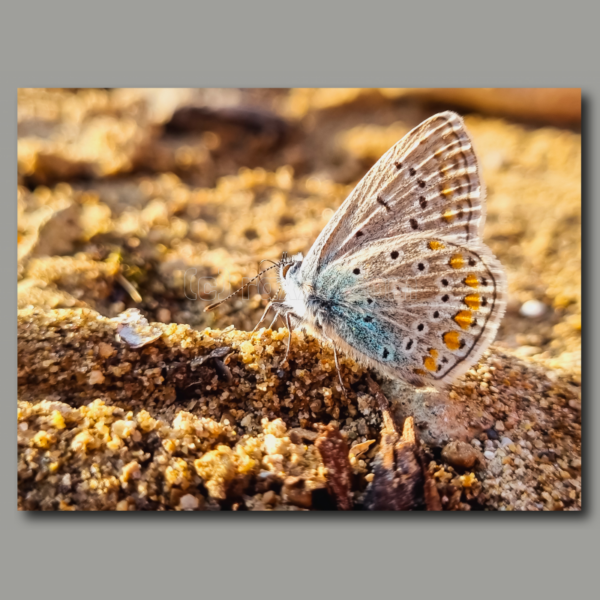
[337, 366]
[277, 316]
[269, 305]
[273, 321]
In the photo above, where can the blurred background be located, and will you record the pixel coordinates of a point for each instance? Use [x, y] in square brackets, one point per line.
[122, 191]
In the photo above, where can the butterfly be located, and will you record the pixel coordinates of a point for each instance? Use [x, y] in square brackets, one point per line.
[400, 279]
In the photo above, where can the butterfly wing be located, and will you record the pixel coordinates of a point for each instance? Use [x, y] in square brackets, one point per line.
[400, 278]
[419, 307]
[428, 181]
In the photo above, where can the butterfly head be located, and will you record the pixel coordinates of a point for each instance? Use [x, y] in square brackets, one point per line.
[289, 267]
[289, 278]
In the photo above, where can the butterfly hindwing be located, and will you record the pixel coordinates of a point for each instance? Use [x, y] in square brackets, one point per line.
[419, 308]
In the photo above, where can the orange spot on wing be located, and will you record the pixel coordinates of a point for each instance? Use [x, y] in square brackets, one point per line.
[452, 340]
[464, 318]
[420, 372]
[435, 245]
[472, 281]
[472, 301]
[430, 363]
[446, 191]
[457, 261]
[448, 216]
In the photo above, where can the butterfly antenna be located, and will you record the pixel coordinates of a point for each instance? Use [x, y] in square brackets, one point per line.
[261, 272]
[267, 260]
[215, 304]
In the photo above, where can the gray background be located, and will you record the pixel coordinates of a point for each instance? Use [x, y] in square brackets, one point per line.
[277, 44]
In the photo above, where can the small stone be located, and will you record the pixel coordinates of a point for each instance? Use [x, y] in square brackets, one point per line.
[505, 441]
[489, 454]
[189, 502]
[298, 434]
[123, 429]
[130, 471]
[491, 434]
[294, 437]
[270, 497]
[499, 426]
[105, 350]
[246, 421]
[533, 309]
[495, 466]
[96, 378]
[461, 455]
[295, 492]
[65, 483]
[475, 442]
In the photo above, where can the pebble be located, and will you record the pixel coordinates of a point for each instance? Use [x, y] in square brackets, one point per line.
[189, 502]
[295, 492]
[489, 454]
[533, 309]
[460, 454]
[491, 433]
[269, 497]
[95, 377]
[123, 505]
[505, 441]
[495, 467]
[475, 442]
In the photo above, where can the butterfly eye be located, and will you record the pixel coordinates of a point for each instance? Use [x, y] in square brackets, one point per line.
[286, 269]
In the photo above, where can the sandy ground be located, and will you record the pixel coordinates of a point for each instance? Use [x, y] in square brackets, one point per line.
[137, 198]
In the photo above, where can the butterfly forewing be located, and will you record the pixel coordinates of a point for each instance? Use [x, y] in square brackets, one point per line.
[428, 181]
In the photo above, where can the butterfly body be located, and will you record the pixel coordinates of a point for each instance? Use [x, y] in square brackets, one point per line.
[400, 279]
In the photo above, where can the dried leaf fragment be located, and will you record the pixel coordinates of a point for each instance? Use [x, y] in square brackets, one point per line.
[359, 449]
[216, 353]
[398, 482]
[334, 452]
[134, 328]
[401, 480]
